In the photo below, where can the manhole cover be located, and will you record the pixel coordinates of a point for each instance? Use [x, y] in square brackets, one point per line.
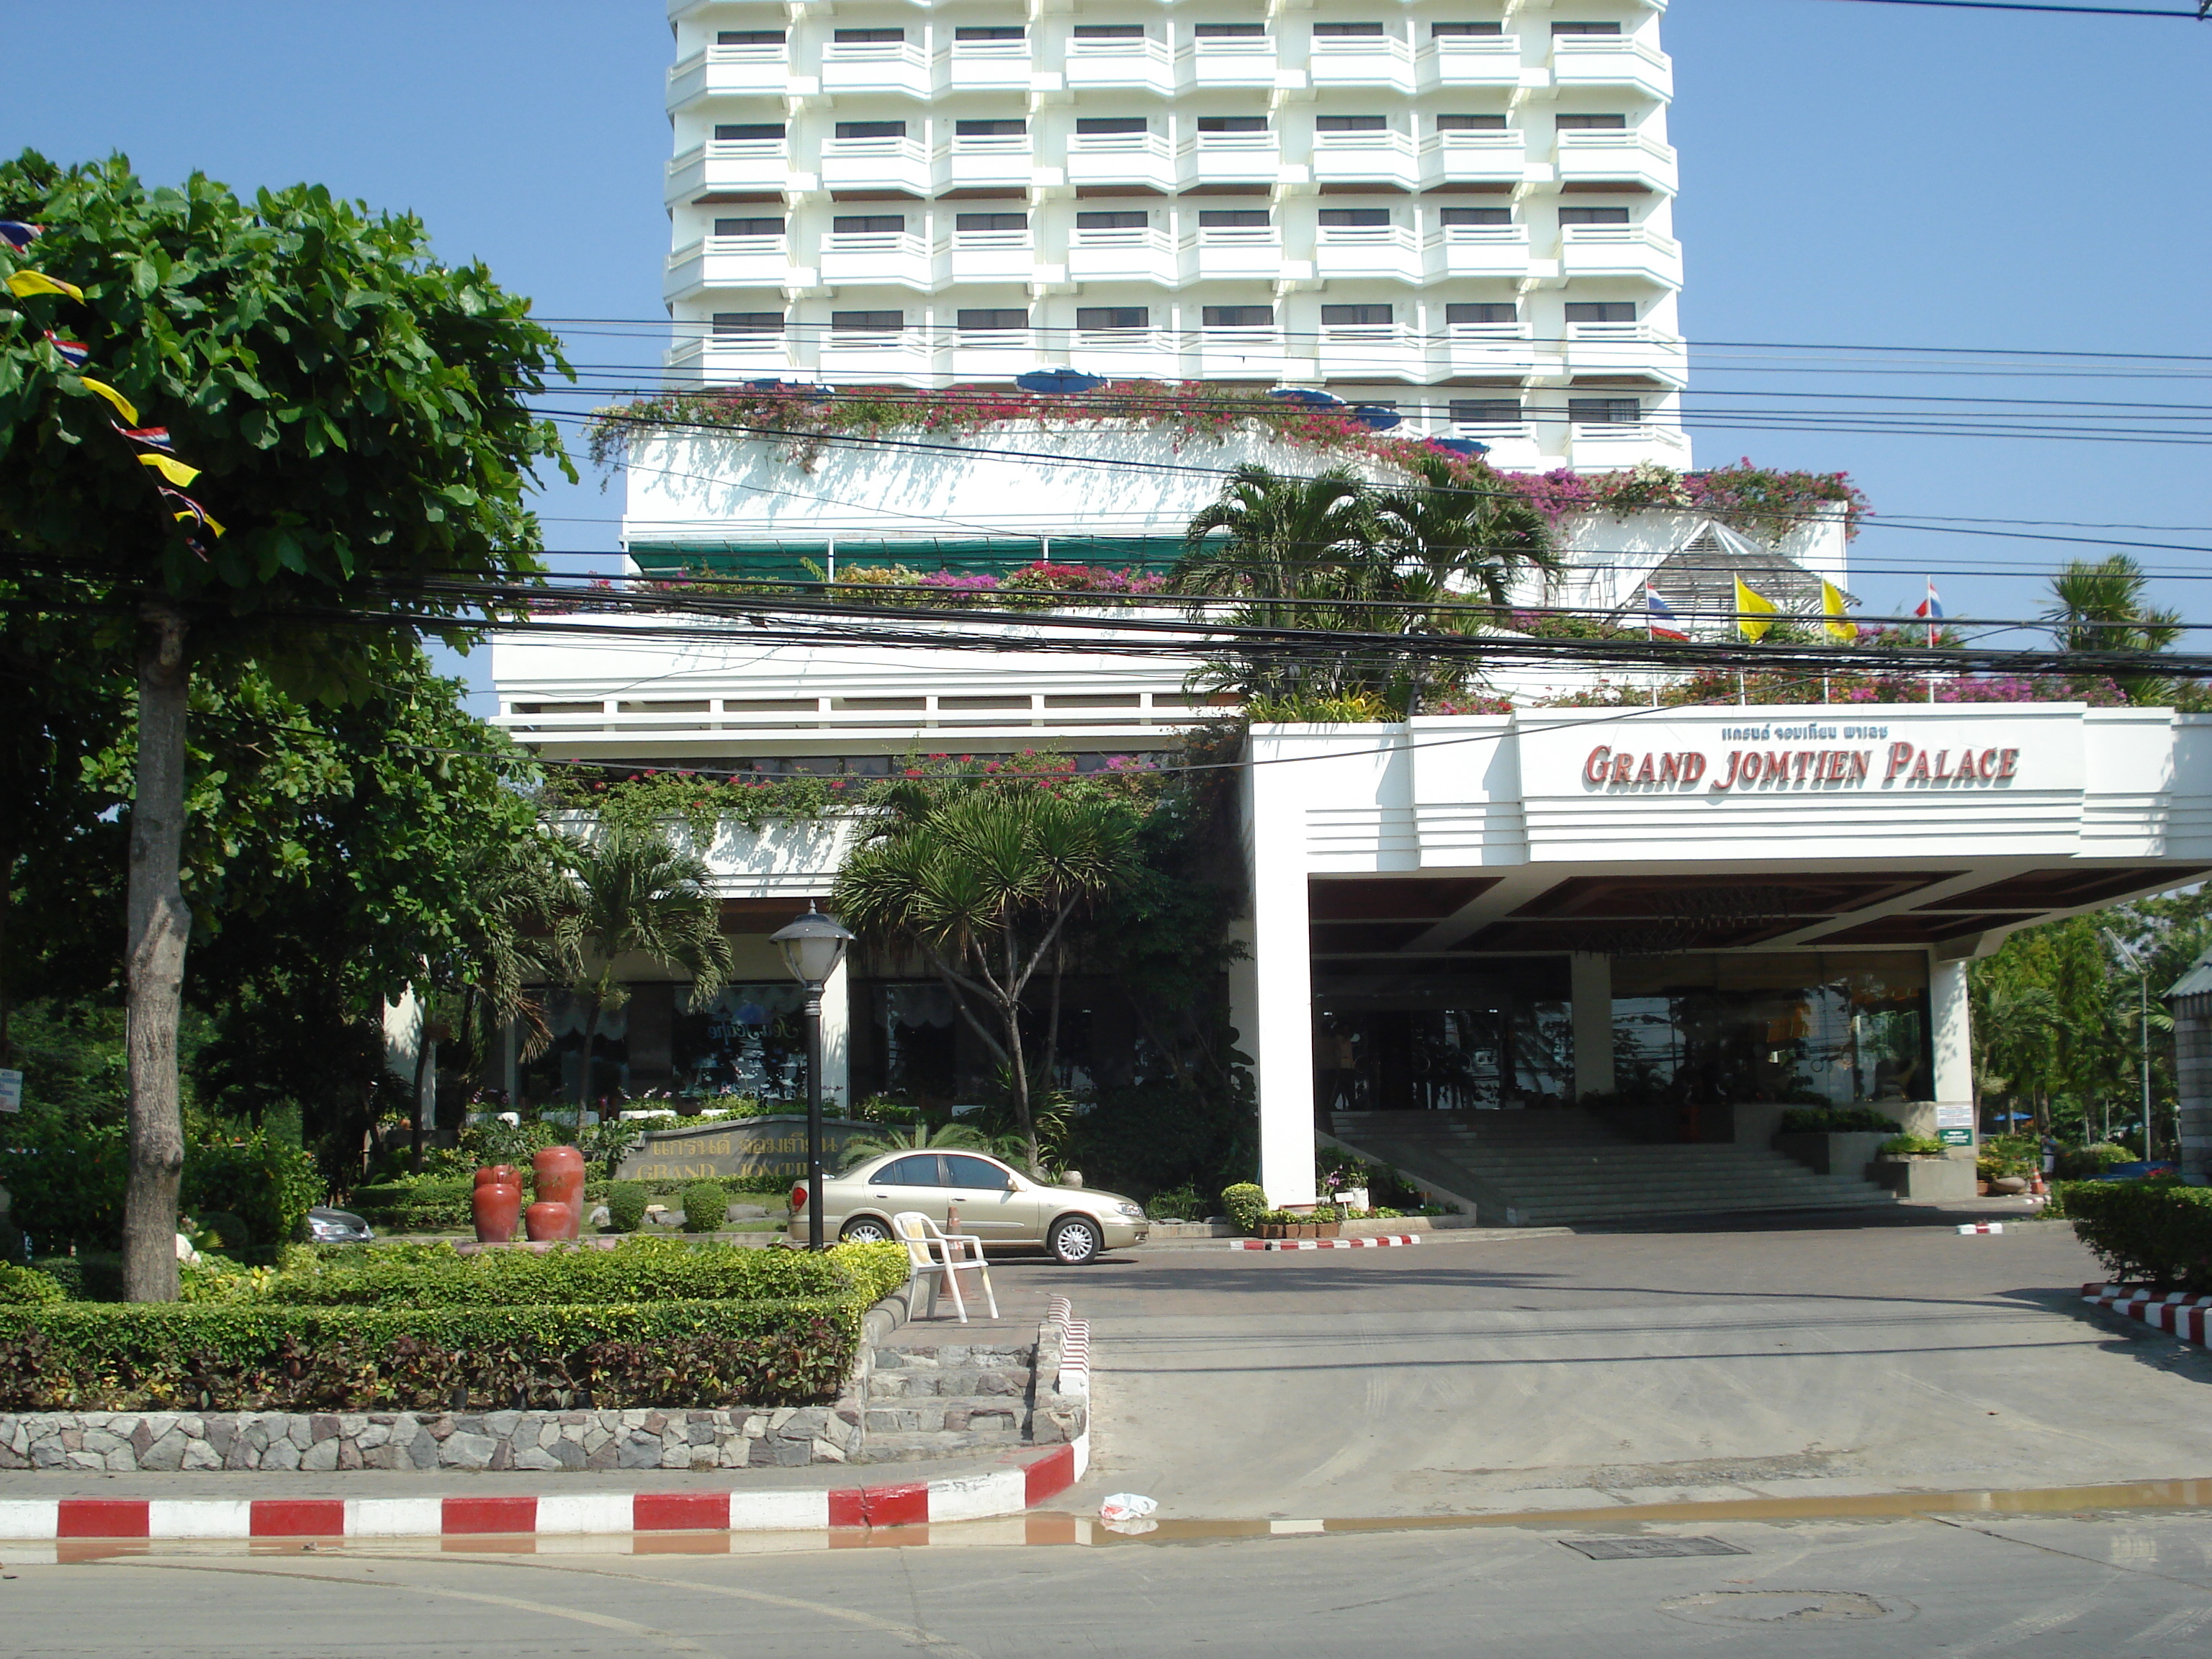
[1784, 1608]
[1631, 1549]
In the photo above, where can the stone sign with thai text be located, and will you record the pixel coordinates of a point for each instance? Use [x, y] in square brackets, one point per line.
[738, 1146]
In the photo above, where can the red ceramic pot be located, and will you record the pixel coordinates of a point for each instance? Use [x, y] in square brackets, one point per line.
[504, 1174]
[546, 1219]
[496, 1205]
[560, 1172]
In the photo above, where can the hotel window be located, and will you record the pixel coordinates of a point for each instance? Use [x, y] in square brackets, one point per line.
[1238, 316]
[749, 227]
[867, 224]
[1604, 412]
[1111, 316]
[749, 37]
[1229, 32]
[1234, 219]
[989, 128]
[1232, 124]
[744, 130]
[1117, 219]
[748, 322]
[1470, 123]
[1355, 316]
[993, 31]
[1486, 411]
[868, 322]
[991, 221]
[1594, 216]
[1475, 217]
[989, 319]
[1590, 123]
[865, 37]
[1088, 124]
[1601, 310]
[1446, 31]
[1482, 313]
[1355, 217]
[1109, 30]
[1343, 31]
[872, 129]
[1351, 123]
[1585, 28]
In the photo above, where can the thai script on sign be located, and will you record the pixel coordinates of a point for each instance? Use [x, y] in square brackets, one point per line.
[1904, 764]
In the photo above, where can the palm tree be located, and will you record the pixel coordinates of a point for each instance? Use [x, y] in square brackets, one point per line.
[986, 882]
[2100, 607]
[631, 892]
[958, 1137]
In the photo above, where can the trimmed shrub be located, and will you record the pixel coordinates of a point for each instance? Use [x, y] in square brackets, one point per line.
[645, 1269]
[2081, 1163]
[428, 1203]
[1246, 1203]
[2153, 1231]
[23, 1287]
[261, 1181]
[1837, 1120]
[706, 1207]
[93, 1276]
[626, 1201]
[1911, 1146]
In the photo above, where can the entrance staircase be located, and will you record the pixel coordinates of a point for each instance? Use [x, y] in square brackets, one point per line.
[1564, 1168]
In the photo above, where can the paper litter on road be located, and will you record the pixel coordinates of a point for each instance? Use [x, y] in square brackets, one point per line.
[1126, 1506]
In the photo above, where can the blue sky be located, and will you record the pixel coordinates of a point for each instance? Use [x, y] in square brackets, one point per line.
[1851, 175]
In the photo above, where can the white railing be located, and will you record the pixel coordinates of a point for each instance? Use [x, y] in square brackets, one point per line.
[873, 51]
[1482, 236]
[1251, 236]
[903, 161]
[990, 51]
[1359, 56]
[1500, 156]
[887, 244]
[1618, 334]
[1603, 59]
[765, 246]
[1363, 236]
[994, 340]
[1129, 236]
[1601, 154]
[1619, 236]
[993, 241]
[1152, 341]
[1122, 46]
[1465, 59]
[1116, 144]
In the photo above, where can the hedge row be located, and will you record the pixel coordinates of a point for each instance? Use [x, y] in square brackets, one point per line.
[270, 1356]
[2151, 1232]
[441, 1203]
[636, 1270]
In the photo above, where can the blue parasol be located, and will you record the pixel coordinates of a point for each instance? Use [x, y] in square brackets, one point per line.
[1058, 380]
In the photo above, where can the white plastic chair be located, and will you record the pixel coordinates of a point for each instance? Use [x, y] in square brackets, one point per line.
[941, 1258]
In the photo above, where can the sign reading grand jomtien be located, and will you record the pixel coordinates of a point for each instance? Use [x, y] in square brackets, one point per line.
[1811, 755]
[737, 1146]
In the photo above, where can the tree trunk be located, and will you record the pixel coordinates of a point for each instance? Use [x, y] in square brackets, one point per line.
[160, 926]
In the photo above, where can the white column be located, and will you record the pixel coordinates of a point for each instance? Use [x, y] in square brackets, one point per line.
[1277, 1022]
[836, 1046]
[1590, 995]
[1952, 1034]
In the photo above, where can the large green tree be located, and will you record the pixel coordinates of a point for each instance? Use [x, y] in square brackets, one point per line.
[357, 409]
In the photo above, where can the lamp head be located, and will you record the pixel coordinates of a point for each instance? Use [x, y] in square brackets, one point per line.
[812, 946]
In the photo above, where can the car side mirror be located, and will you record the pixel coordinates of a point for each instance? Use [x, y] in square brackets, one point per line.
[1013, 1185]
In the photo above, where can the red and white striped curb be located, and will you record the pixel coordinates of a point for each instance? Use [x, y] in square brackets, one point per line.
[1006, 1491]
[2189, 1317]
[1981, 1226]
[1380, 1242]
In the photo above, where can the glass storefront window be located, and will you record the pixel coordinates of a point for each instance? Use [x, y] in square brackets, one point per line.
[1447, 1040]
[749, 1040]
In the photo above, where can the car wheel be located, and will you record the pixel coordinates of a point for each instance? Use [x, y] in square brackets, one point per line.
[1074, 1239]
[866, 1230]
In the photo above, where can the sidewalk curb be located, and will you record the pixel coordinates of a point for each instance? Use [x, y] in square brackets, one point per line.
[1018, 1485]
[1381, 1240]
[2175, 1312]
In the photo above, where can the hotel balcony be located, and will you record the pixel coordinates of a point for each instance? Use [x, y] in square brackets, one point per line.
[1374, 60]
[900, 164]
[870, 258]
[1234, 62]
[1125, 353]
[733, 164]
[1482, 350]
[1390, 251]
[722, 359]
[732, 262]
[903, 351]
[997, 354]
[1452, 61]
[1121, 158]
[1478, 251]
[1233, 254]
[1378, 158]
[1607, 444]
[1237, 354]
[1513, 446]
[1228, 158]
[730, 71]
[996, 161]
[878, 66]
[1379, 352]
[991, 256]
[1617, 157]
[1611, 60]
[1620, 250]
[1472, 158]
[1138, 62]
[986, 66]
[1132, 255]
[1626, 349]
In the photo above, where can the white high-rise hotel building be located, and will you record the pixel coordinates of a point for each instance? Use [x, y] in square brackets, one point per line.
[1462, 209]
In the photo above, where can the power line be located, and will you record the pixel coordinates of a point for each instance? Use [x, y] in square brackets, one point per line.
[2019, 5]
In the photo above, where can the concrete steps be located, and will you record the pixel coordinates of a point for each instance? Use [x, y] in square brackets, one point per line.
[1563, 1169]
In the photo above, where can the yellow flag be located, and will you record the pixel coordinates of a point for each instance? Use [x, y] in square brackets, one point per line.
[1748, 603]
[121, 404]
[172, 468]
[1839, 625]
[24, 283]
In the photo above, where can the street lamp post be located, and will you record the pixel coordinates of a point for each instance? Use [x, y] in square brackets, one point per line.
[812, 947]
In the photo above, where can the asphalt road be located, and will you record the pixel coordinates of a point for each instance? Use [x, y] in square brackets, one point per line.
[2127, 1585]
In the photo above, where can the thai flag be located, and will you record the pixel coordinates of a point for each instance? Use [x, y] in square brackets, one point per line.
[76, 353]
[154, 437]
[1931, 610]
[18, 235]
[1659, 618]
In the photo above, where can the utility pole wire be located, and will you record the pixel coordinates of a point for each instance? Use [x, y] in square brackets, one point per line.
[2204, 8]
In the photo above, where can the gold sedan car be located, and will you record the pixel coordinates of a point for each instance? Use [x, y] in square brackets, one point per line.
[1004, 1208]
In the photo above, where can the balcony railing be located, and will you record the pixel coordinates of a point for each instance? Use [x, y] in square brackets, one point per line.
[904, 351]
[730, 164]
[1589, 157]
[1246, 353]
[1361, 60]
[1619, 443]
[729, 262]
[1216, 158]
[887, 256]
[1233, 251]
[1235, 61]
[1121, 158]
[1001, 159]
[1620, 250]
[1137, 254]
[1134, 61]
[1458, 158]
[1377, 157]
[1471, 61]
[878, 164]
[1384, 251]
[722, 71]
[991, 256]
[1618, 346]
[1500, 349]
[1611, 60]
[1382, 348]
[988, 66]
[897, 66]
[1478, 251]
